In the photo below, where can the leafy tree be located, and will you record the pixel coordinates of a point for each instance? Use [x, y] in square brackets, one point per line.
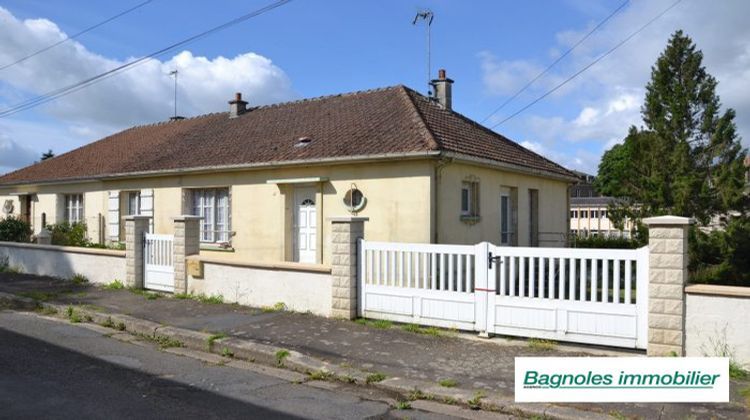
[48, 154]
[688, 159]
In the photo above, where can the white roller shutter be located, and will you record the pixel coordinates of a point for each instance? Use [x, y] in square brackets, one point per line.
[113, 216]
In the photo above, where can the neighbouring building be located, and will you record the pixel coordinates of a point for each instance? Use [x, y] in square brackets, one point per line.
[266, 179]
[589, 211]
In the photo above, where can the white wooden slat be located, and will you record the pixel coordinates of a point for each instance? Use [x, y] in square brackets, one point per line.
[562, 270]
[503, 277]
[400, 268]
[378, 265]
[522, 276]
[605, 280]
[582, 279]
[460, 273]
[532, 277]
[594, 280]
[572, 279]
[551, 278]
[616, 282]
[512, 277]
[470, 273]
[542, 272]
[628, 281]
[433, 268]
[425, 279]
[444, 271]
[409, 276]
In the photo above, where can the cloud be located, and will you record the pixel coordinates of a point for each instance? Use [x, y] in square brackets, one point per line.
[596, 109]
[14, 155]
[141, 95]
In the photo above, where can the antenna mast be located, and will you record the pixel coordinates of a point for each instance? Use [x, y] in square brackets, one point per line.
[174, 73]
[427, 16]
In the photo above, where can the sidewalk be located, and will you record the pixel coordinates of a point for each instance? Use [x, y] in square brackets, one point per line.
[425, 356]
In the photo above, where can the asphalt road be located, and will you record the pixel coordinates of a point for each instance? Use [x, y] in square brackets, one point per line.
[52, 369]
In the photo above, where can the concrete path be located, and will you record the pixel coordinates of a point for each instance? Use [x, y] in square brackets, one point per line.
[470, 362]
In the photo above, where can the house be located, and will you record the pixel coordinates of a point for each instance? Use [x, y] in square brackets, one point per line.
[589, 209]
[266, 179]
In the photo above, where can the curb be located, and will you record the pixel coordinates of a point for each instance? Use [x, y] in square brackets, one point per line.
[278, 357]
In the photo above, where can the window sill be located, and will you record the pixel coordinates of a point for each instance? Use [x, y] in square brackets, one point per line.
[215, 247]
[470, 219]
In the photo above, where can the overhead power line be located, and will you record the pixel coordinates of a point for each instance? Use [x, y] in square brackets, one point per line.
[68, 38]
[57, 93]
[543, 72]
[576, 74]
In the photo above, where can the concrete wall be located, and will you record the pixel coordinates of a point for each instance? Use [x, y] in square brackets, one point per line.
[98, 265]
[300, 287]
[553, 206]
[716, 319]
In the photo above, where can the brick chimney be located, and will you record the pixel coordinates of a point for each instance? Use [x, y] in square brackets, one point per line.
[237, 107]
[443, 90]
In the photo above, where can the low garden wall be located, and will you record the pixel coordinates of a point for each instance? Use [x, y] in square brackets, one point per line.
[97, 265]
[300, 287]
[716, 322]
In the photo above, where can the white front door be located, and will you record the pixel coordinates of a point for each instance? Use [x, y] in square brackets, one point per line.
[305, 225]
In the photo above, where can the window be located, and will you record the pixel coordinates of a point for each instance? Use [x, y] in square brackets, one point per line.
[213, 206]
[574, 214]
[134, 203]
[594, 214]
[470, 199]
[604, 214]
[584, 214]
[74, 208]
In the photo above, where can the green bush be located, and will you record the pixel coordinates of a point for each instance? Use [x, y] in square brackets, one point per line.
[14, 230]
[69, 234]
[609, 242]
[721, 257]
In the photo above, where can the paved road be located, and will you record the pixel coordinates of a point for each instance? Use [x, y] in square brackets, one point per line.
[51, 369]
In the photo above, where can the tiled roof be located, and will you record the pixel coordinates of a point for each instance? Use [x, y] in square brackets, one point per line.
[388, 121]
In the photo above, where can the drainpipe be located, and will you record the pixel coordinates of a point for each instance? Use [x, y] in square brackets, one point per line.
[442, 163]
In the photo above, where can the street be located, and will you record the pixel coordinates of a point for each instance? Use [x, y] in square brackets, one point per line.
[52, 369]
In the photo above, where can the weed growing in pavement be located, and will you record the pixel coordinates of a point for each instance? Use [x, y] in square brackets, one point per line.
[433, 331]
[210, 340]
[46, 310]
[448, 383]
[120, 326]
[319, 375]
[73, 316]
[280, 356]
[617, 415]
[145, 293]
[736, 371]
[450, 401]
[79, 279]
[538, 344]
[375, 378]
[202, 298]
[476, 402]
[162, 340]
[38, 295]
[403, 405]
[277, 307]
[225, 352]
[417, 394]
[115, 285]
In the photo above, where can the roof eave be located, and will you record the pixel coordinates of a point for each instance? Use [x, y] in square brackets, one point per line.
[230, 168]
[508, 166]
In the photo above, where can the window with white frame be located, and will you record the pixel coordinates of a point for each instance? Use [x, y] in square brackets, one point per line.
[74, 208]
[470, 199]
[134, 203]
[213, 205]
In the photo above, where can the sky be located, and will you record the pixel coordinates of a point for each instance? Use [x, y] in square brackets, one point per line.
[310, 48]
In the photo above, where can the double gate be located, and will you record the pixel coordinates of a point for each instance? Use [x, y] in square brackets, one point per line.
[158, 262]
[595, 296]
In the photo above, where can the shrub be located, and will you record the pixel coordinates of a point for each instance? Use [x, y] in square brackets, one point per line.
[720, 257]
[608, 242]
[14, 230]
[68, 234]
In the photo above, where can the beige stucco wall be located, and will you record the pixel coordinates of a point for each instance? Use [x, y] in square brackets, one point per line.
[553, 205]
[397, 193]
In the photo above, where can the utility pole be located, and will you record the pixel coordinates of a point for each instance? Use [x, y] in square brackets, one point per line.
[426, 16]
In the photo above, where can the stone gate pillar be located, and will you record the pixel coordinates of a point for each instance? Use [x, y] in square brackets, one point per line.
[345, 234]
[135, 228]
[186, 242]
[668, 275]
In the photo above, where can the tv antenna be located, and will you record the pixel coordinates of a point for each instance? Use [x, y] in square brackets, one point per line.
[175, 117]
[426, 16]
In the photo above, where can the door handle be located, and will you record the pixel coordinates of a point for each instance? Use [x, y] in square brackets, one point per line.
[493, 258]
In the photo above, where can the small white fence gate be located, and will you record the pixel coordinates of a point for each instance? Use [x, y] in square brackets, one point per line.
[596, 296]
[158, 262]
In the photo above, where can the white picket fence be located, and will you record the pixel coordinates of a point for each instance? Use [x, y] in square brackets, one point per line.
[158, 267]
[596, 296]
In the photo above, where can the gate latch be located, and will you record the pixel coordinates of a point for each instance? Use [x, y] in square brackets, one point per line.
[493, 258]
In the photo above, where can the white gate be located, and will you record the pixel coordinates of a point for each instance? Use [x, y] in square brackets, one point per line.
[158, 262]
[596, 296]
